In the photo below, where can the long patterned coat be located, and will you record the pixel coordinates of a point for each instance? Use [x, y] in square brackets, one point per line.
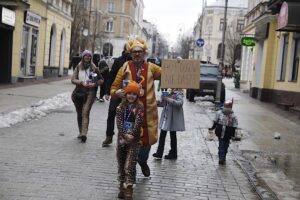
[150, 72]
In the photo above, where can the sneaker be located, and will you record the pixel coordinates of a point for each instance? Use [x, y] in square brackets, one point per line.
[107, 141]
[157, 156]
[145, 168]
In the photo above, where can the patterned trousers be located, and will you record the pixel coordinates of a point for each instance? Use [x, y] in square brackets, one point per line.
[127, 159]
[83, 112]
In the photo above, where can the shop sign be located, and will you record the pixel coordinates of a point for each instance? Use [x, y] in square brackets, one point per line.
[248, 41]
[32, 19]
[8, 17]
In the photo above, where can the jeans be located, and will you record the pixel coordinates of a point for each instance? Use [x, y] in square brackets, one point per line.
[144, 153]
[223, 147]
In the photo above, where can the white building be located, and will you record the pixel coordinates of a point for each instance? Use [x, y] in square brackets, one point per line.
[211, 23]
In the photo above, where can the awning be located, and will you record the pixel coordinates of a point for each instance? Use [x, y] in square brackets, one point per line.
[14, 4]
[288, 18]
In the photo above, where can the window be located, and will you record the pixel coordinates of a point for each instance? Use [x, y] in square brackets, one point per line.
[219, 53]
[85, 4]
[110, 7]
[29, 51]
[240, 25]
[221, 24]
[283, 62]
[109, 26]
[296, 56]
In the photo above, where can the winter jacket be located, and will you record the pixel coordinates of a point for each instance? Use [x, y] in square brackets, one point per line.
[75, 80]
[118, 63]
[136, 117]
[172, 116]
[104, 70]
[225, 125]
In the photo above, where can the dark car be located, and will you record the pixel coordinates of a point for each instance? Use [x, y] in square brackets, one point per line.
[208, 83]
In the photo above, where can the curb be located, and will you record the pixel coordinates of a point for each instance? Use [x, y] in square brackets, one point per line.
[260, 187]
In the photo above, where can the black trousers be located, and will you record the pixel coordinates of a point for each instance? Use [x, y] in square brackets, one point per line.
[110, 125]
[162, 139]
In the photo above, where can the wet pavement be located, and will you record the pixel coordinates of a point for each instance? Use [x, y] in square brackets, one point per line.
[41, 159]
[276, 161]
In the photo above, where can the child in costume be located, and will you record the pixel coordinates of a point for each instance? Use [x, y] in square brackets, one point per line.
[225, 124]
[130, 115]
[172, 119]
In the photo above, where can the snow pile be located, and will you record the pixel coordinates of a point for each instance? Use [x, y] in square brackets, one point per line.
[36, 110]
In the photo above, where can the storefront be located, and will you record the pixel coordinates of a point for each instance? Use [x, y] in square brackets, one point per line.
[29, 47]
[7, 24]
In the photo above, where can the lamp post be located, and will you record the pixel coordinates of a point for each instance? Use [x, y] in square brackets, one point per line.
[221, 64]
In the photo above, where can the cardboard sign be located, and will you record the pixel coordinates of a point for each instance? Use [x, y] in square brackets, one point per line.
[180, 74]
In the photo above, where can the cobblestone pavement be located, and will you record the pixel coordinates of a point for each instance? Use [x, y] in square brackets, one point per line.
[42, 159]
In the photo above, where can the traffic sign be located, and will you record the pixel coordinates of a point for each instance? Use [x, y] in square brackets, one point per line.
[200, 42]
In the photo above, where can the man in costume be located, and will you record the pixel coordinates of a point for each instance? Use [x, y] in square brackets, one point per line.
[144, 73]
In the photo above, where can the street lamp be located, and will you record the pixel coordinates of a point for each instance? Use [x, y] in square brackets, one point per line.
[221, 64]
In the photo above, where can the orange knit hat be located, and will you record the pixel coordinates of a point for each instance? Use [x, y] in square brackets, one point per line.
[132, 87]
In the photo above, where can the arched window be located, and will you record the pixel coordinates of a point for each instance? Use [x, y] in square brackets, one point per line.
[108, 49]
[52, 45]
[62, 52]
[219, 53]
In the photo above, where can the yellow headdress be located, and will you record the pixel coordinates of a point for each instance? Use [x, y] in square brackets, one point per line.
[137, 42]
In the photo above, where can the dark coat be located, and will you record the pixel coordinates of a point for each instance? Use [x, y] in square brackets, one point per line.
[104, 70]
[118, 63]
[228, 121]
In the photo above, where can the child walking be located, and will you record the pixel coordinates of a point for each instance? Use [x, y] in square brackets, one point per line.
[130, 115]
[171, 119]
[225, 124]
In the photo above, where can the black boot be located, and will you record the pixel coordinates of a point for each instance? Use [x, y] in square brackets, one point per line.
[171, 156]
[173, 152]
[161, 145]
[107, 141]
[145, 168]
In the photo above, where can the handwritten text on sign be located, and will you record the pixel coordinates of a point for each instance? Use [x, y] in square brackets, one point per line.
[180, 74]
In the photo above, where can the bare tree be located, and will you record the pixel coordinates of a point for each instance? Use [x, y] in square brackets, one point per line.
[77, 14]
[233, 46]
[184, 46]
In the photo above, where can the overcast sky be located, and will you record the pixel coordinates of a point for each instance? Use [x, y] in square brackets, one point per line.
[171, 16]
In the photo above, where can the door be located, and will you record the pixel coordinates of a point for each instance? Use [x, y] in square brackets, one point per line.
[6, 40]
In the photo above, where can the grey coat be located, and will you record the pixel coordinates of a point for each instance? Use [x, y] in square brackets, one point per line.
[172, 117]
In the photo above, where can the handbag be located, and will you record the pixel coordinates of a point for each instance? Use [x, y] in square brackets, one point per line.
[80, 95]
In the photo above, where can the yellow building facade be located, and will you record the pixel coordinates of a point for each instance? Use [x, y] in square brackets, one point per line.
[24, 33]
[274, 76]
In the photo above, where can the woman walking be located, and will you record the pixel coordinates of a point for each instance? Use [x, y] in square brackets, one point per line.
[86, 77]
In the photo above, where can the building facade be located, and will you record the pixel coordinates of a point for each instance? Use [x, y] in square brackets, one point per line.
[24, 35]
[257, 15]
[104, 26]
[276, 77]
[211, 23]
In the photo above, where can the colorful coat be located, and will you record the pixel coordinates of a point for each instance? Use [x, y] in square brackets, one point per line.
[150, 72]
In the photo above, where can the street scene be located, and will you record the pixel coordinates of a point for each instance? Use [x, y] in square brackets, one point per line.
[149, 99]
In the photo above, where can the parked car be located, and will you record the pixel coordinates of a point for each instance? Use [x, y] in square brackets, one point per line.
[208, 83]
